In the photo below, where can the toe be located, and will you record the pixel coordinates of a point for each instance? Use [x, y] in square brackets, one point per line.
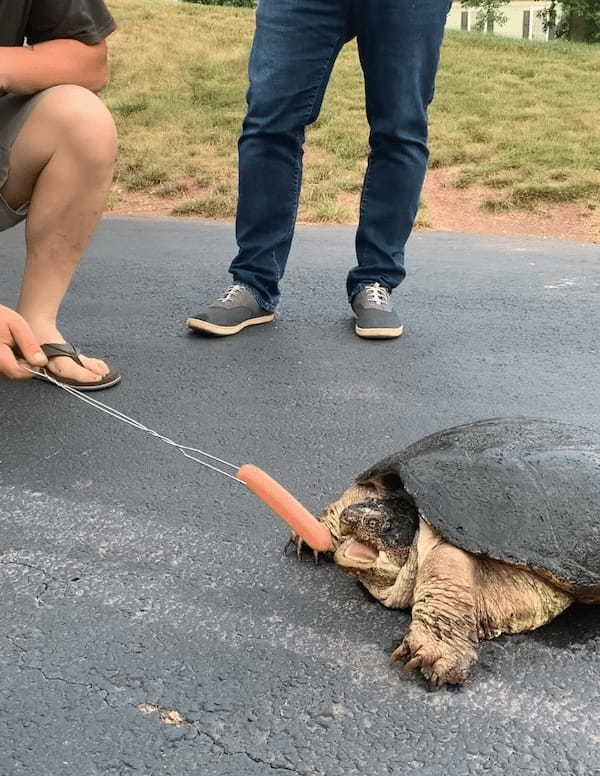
[67, 368]
[95, 365]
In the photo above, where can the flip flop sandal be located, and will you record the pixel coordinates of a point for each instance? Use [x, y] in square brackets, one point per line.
[70, 351]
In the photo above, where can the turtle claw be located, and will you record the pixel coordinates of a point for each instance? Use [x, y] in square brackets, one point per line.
[434, 681]
[440, 662]
[400, 652]
[415, 662]
[297, 542]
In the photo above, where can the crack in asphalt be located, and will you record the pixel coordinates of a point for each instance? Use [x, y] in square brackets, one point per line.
[29, 566]
[88, 685]
[44, 587]
[174, 717]
[14, 643]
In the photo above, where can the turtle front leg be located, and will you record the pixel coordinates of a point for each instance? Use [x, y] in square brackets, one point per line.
[442, 638]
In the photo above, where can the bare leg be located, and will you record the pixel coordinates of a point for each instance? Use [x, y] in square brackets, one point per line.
[442, 638]
[62, 163]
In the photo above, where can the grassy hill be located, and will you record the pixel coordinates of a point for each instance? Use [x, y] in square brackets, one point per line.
[521, 118]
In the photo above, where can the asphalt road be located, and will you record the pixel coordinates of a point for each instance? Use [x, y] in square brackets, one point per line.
[132, 580]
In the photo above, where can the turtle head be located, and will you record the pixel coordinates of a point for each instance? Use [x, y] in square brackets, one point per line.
[375, 539]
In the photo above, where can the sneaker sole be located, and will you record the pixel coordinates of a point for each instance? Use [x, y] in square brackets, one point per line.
[224, 331]
[383, 333]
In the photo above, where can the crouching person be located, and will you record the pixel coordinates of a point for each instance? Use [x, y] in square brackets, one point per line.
[57, 152]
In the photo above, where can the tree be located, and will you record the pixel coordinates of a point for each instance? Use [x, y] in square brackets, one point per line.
[580, 19]
[489, 13]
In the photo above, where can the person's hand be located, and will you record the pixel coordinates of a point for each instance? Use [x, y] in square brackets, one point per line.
[15, 332]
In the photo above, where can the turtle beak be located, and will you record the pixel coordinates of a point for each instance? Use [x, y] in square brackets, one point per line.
[354, 554]
[357, 551]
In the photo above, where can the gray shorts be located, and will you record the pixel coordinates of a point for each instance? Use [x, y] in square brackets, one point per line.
[14, 110]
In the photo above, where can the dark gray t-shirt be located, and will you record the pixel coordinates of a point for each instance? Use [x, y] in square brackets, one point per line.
[88, 21]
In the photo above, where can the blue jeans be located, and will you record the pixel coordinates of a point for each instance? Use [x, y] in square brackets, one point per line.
[295, 46]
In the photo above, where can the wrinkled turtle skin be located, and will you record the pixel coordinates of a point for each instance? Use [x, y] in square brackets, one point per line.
[520, 490]
[486, 528]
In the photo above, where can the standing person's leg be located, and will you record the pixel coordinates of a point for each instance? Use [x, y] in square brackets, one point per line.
[399, 43]
[61, 166]
[295, 46]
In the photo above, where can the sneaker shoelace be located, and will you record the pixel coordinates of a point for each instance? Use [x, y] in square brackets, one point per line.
[377, 294]
[231, 292]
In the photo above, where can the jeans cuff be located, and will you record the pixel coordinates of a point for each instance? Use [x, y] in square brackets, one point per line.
[268, 306]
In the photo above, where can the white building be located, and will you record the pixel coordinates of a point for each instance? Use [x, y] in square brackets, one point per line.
[523, 19]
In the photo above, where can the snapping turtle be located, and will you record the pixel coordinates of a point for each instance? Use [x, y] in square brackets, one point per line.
[486, 528]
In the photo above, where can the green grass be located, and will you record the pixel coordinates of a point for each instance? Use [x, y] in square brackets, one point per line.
[520, 118]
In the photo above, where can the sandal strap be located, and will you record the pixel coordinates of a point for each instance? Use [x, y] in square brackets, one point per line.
[61, 349]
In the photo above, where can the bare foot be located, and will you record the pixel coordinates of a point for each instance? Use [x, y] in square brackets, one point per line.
[62, 367]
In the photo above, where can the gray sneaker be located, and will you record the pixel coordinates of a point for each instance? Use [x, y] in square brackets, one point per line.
[375, 316]
[231, 313]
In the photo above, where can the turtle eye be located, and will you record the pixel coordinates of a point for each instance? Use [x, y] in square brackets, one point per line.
[372, 523]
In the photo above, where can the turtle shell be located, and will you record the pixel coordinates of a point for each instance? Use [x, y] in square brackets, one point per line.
[520, 490]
